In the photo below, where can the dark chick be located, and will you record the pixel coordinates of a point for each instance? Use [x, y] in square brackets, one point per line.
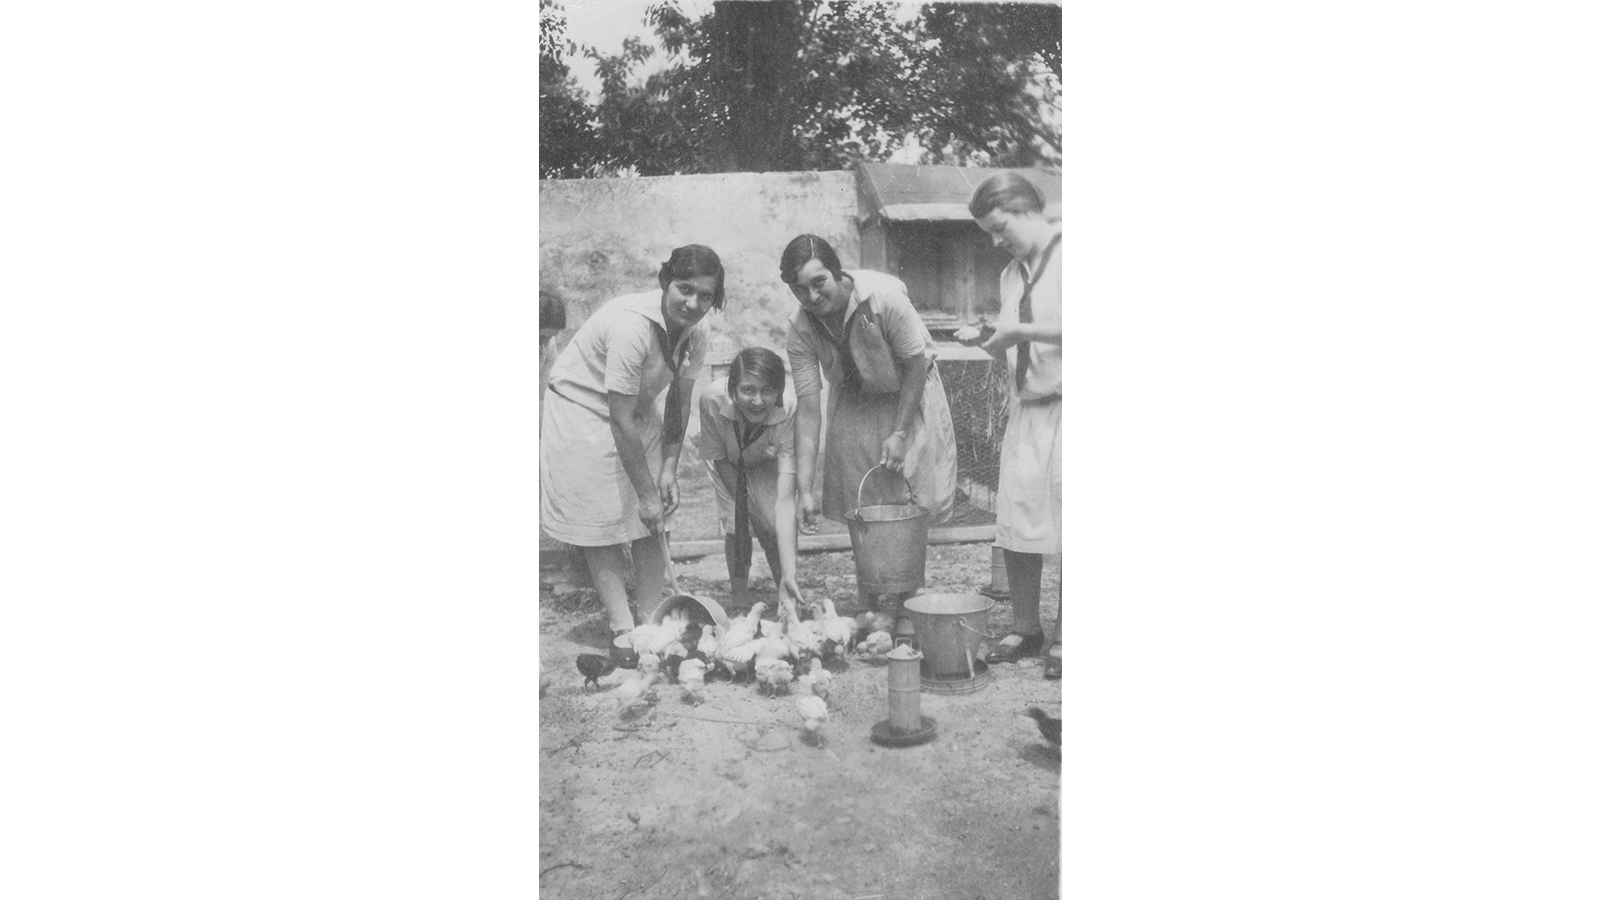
[593, 666]
[690, 639]
[670, 666]
[1050, 728]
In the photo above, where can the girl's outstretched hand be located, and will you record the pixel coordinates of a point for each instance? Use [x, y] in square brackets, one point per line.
[789, 594]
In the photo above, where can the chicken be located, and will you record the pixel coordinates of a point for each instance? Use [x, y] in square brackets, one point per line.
[868, 622]
[774, 674]
[737, 646]
[818, 681]
[804, 638]
[635, 694]
[837, 632]
[671, 666]
[594, 666]
[656, 638]
[692, 678]
[813, 715]
[743, 628]
[773, 642]
[706, 646]
[649, 663]
[673, 627]
[691, 638]
[876, 647]
[1049, 726]
[738, 660]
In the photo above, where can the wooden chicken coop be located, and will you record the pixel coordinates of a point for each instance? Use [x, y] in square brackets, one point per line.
[915, 225]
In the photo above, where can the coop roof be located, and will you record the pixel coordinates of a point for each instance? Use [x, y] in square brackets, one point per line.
[902, 193]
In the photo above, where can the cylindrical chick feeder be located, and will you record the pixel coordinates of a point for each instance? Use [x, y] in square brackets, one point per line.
[906, 724]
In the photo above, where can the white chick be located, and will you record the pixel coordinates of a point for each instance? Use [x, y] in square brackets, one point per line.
[692, 678]
[835, 628]
[804, 637]
[634, 694]
[813, 714]
[707, 647]
[672, 629]
[817, 681]
[774, 674]
[772, 644]
[868, 622]
[649, 663]
[876, 647]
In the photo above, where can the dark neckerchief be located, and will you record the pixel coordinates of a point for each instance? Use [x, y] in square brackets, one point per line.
[1025, 308]
[847, 363]
[745, 434]
[672, 422]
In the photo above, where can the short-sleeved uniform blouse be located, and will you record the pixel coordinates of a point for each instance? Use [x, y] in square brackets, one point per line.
[585, 496]
[768, 455]
[886, 328]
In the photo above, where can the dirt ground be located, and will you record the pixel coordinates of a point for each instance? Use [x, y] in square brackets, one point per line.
[728, 799]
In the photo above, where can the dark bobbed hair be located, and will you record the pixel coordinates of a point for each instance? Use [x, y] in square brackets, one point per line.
[1006, 191]
[804, 249]
[693, 261]
[760, 362]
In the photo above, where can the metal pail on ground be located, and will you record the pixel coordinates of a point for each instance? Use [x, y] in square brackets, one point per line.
[890, 543]
[949, 630]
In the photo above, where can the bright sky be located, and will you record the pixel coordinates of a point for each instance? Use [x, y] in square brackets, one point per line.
[603, 24]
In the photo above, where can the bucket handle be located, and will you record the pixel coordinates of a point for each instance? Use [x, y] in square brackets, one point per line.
[911, 496]
[960, 622]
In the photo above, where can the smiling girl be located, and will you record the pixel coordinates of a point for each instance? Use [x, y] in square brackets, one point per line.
[747, 441]
[608, 461]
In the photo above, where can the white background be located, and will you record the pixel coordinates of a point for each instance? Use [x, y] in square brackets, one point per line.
[269, 363]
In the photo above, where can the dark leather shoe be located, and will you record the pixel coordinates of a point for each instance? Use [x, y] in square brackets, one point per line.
[623, 657]
[1052, 665]
[1002, 653]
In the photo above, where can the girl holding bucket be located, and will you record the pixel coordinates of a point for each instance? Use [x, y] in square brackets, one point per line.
[747, 442]
[858, 330]
[608, 461]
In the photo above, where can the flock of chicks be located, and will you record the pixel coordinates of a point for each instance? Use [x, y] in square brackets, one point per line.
[775, 653]
[769, 651]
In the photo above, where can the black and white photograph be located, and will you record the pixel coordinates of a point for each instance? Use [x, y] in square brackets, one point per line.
[800, 290]
[717, 450]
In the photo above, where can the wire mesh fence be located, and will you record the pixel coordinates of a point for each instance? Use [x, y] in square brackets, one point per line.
[976, 390]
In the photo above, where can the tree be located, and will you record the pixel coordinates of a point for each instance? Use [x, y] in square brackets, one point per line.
[997, 103]
[790, 85]
[566, 133]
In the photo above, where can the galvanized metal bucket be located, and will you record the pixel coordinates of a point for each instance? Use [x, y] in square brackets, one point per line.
[890, 542]
[949, 630]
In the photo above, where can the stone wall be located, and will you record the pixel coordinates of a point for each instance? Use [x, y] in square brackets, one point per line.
[600, 238]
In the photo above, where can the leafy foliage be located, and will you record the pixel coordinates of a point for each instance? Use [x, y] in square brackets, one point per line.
[793, 85]
[566, 134]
